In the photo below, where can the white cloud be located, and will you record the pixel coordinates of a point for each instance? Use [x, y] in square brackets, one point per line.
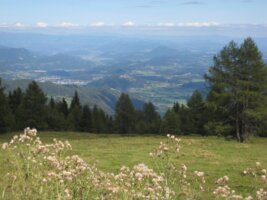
[129, 24]
[198, 24]
[68, 25]
[41, 25]
[166, 24]
[98, 24]
[19, 25]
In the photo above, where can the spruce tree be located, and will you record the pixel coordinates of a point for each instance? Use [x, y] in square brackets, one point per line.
[151, 118]
[15, 99]
[86, 119]
[75, 101]
[6, 117]
[62, 107]
[171, 123]
[124, 115]
[237, 83]
[196, 111]
[32, 111]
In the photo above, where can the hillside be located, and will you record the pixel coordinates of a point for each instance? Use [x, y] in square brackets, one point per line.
[103, 98]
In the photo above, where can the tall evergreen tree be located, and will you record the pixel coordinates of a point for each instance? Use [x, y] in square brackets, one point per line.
[6, 117]
[56, 120]
[151, 118]
[86, 119]
[52, 103]
[62, 107]
[74, 118]
[75, 101]
[101, 121]
[237, 85]
[32, 111]
[196, 111]
[171, 123]
[125, 115]
[15, 99]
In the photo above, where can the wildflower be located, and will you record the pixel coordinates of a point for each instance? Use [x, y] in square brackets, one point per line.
[199, 174]
[264, 178]
[258, 164]
[183, 168]
[67, 193]
[5, 146]
[223, 180]
[261, 194]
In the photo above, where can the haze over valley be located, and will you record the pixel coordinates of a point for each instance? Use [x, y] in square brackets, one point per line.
[161, 70]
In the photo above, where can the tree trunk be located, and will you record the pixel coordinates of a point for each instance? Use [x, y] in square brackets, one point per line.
[237, 130]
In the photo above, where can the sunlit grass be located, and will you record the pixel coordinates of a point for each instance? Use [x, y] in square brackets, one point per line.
[214, 156]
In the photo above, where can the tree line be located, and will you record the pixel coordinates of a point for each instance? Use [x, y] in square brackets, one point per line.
[233, 105]
[19, 109]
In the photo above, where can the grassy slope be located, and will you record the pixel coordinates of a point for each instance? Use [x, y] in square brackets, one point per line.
[215, 156]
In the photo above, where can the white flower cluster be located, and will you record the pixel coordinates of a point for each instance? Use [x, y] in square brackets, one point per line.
[164, 148]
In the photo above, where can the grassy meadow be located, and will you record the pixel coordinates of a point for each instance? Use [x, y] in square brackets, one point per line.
[214, 156]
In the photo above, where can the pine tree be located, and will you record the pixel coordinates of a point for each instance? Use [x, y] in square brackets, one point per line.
[237, 86]
[151, 118]
[32, 111]
[125, 115]
[196, 111]
[6, 117]
[171, 123]
[101, 122]
[74, 118]
[56, 120]
[15, 99]
[86, 119]
[52, 103]
[62, 107]
[75, 101]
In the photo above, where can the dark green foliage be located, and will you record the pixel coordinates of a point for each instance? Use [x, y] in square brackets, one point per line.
[52, 103]
[62, 107]
[237, 94]
[125, 115]
[6, 117]
[196, 111]
[86, 124]
[75, 101]
[15, 99]
[32, 111]
[74, 118]
[101, 121]
[56, 120]
[148, 120]
[171, 123]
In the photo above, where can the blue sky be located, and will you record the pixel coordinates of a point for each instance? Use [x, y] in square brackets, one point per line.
[132, 13]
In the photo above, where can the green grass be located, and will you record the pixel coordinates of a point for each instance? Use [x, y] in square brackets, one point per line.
[215, 156]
